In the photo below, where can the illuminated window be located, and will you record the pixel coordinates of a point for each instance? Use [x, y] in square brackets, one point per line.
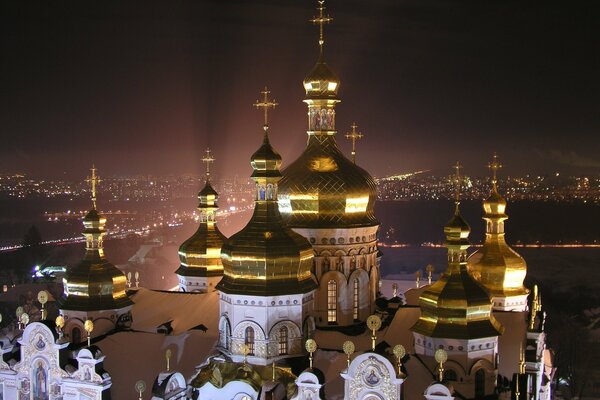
[283, 340]
[355, 300]
[332, 302]
[249, 340]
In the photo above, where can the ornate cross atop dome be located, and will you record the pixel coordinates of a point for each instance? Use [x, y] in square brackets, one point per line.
[265, 104]
[354, 136]
[93, 180]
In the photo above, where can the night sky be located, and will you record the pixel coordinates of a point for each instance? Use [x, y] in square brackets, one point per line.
[142, 87]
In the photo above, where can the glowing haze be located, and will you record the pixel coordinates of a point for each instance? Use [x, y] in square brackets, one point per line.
[146, 86]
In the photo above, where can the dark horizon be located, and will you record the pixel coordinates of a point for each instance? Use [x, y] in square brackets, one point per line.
[144, 87]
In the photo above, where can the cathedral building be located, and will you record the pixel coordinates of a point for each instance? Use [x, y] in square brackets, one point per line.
[305, 265]
[94, 289]
[329, 200]
[201, 268]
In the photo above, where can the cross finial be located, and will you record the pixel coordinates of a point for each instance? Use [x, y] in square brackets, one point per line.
[208, 159]
[321, 20]
[457, 168]
[354, 136]
[265, 104]
[93, 180]
[494, 166]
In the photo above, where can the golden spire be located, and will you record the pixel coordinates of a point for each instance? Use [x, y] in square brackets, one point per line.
[321, 20]
[265, 104]
[521, 360]
[93, 180]
[494, 166]
[354, 136]
[208, 159]
[457, 168]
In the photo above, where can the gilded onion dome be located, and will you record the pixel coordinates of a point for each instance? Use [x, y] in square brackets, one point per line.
[200, 255]
[498, 267]
[266, 257]
[322, 188]
[456, 306]
[94, 284]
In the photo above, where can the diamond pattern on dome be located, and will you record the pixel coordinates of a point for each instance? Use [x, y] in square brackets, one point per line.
[320, 198]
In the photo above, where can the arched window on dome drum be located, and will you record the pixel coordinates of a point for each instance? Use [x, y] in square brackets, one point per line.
[355, 300]
[331, 302]
[480, 383]
[249, 340]
[76, 335]
[283, 340]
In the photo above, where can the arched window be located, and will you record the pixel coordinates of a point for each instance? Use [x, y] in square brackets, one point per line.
[249, 340]
[355, 300]
[283, 340]
[480, 383]
[225, 333]
[76, 335]
[332, 302]
[450, 375]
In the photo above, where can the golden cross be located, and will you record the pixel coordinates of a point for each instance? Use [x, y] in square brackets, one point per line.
[321, 20]
[354, 136]
[93, 181]
[208, 159]
[265, 104]
[457, 167]
[494, 166]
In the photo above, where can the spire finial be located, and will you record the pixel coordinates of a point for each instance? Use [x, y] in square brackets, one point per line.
[354, 136]
[93, 180]
[321, 20]
[208, 159]
[521, 359]
[494, 166]
[457, 167]
[265, 104]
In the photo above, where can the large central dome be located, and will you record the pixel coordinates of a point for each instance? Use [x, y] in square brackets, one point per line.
[322, 188]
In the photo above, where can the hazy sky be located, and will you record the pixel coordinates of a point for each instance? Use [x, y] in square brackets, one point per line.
[146, 86]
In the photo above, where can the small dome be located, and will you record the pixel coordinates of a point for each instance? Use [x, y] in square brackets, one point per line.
[266, 161]
[457, 229]
[500, 269]
[495, 204]
[94, 283]
[200, 254]
[321, 82]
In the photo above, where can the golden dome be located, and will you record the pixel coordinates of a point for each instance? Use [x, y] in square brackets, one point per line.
[499, 268]
[94, 283]
[322, 189]
[266, 257]
[456, 306]
[200, 255]
[321, 82]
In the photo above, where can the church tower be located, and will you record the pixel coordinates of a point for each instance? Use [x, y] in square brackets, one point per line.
[456, 316]
[94, 289]
[200, 255]
[329, 200]
[267, 289]
[499, 268]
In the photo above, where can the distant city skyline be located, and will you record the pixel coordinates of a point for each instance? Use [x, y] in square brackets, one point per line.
[146, 87]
